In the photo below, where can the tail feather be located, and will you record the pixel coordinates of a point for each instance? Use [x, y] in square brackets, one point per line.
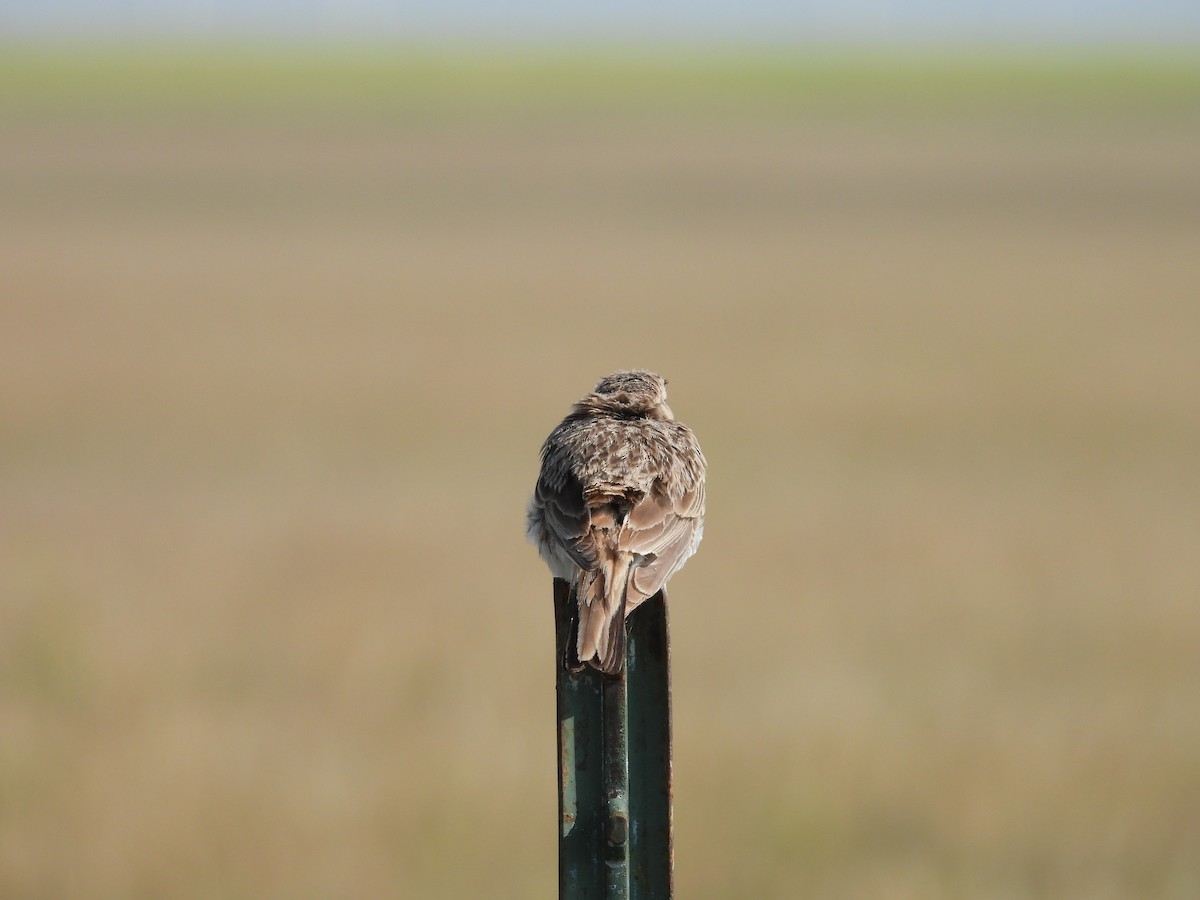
[612, 660]
[602, 598]
[592, 621]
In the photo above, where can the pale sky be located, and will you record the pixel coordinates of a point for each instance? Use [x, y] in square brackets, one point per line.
[1024, 21]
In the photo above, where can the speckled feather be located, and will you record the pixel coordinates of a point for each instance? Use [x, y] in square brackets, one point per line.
[619, 505]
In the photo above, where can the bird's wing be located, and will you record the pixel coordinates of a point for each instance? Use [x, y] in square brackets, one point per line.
[565, 515]
[665, 531]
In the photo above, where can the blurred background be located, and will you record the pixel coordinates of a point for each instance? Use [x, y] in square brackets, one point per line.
[290, 296]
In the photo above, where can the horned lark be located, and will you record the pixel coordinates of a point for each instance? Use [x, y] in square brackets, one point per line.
[618, 507]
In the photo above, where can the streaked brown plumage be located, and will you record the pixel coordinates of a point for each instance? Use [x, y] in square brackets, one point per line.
[618, 507]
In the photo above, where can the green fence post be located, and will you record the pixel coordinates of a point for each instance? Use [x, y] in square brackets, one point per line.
[580, 799]
[614, 763]
[651, 851]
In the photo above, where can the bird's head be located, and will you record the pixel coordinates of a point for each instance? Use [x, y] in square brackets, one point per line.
[632, 393]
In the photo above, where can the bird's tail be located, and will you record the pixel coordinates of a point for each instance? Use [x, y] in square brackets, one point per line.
[602, 593]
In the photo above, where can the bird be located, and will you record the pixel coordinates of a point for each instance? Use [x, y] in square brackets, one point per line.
[618, 507]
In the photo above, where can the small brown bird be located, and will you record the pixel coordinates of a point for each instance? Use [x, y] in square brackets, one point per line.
[618, 507]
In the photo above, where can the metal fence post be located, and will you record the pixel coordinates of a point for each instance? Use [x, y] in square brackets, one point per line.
[614, 763]
[648, 671]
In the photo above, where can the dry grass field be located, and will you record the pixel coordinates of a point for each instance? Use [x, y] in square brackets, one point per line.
[275, 365]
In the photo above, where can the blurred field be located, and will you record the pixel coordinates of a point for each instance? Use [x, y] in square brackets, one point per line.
[278, 347]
